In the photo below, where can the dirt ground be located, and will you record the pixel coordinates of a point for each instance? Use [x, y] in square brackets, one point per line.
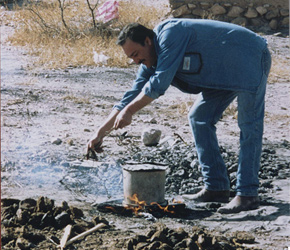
[47, 117]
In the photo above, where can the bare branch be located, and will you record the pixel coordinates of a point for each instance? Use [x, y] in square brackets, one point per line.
[92, 11]
[62, 7]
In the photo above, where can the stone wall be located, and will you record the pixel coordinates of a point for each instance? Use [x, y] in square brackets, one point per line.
[272, 14]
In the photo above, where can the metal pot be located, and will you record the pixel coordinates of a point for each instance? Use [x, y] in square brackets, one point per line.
[147, 181]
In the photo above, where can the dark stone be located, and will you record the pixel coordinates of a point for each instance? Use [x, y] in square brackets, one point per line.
[154, 245]
[204, 240]
[35, 220]
[130, 244]
[141, 245]
[62, 220]
[28, 204]
[6, 202]
[141, 238]
[47, 220]
[44, 204]
[8, 212]
[165, 246]
[22, 216]
[76, 212]
[244, 237]
[159, 236]
[35, 238]
[98, 219]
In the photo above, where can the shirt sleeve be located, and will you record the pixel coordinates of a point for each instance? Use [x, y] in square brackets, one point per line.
[171, 42]
[143, 75]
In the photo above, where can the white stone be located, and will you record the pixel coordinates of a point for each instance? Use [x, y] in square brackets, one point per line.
[199, 12]
[273, 24]
[261, 10]
[285, 21]
[272, 14]
[251, 13]
[240, 21]
[235, 11]
[217, 9]
[182, 10]
[191, 6]
[284, 12]
[151, 137]
[204, 4]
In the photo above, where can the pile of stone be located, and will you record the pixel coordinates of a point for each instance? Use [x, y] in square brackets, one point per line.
[184, 172]
[163, 238]
[29, 223]
[252, 13]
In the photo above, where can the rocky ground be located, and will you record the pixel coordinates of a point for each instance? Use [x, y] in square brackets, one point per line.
[47, 117]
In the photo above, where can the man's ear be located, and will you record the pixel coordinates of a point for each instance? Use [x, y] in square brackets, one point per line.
[148, 41]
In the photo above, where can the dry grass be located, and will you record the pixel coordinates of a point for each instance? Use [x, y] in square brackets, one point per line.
[58, 43]
[279, 70]
[77, 100]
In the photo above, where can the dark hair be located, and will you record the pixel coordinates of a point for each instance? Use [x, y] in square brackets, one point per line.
[136, 32]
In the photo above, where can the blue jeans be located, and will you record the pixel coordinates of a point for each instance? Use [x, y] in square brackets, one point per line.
[203, 116]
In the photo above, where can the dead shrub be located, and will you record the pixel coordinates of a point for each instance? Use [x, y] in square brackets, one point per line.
[65, 33]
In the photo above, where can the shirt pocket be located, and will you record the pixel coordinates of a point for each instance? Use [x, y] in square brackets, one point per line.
[191, 63]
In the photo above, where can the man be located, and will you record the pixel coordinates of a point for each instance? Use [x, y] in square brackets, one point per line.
[218, 60]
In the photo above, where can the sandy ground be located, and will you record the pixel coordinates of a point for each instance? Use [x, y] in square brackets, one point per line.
[40, 106]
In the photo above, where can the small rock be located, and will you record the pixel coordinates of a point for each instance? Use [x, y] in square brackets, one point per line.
[62, 220]
[251, 13]
[244, 237]
[272, 14]
[261, 10]
[22, 243]
[216, 9]
[165, 246]
[273, 24]
[76, 212]
[159, 236]
[182, 10]
[151, 137]
[56, 141]
[22, 216]
[153, 121]
[235, 11]
[27, 204]
[240, 21]
[44, 204]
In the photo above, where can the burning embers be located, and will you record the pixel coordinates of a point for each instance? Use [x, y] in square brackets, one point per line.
[144, 191]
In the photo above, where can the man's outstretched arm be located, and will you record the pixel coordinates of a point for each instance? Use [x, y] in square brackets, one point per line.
[124, 118]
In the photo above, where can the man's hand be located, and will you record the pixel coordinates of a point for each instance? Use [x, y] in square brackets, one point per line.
[95, 142]
[123, 119]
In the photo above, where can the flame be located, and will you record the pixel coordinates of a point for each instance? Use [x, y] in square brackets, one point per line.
[139, 205]
[165, 209]
[111, 208]
[176, 201]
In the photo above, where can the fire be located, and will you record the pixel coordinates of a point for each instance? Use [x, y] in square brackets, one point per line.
[165, 209]
[141, 205]
[111, 208]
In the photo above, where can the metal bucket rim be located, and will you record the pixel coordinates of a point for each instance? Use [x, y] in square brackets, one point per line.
[144, 167]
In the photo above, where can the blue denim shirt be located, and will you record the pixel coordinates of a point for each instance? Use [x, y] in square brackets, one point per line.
[194, 54]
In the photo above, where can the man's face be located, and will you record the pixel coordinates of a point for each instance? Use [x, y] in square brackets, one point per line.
[141, 54]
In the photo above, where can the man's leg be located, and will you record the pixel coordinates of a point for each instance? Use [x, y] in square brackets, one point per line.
[203, 116]
[250, 120]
